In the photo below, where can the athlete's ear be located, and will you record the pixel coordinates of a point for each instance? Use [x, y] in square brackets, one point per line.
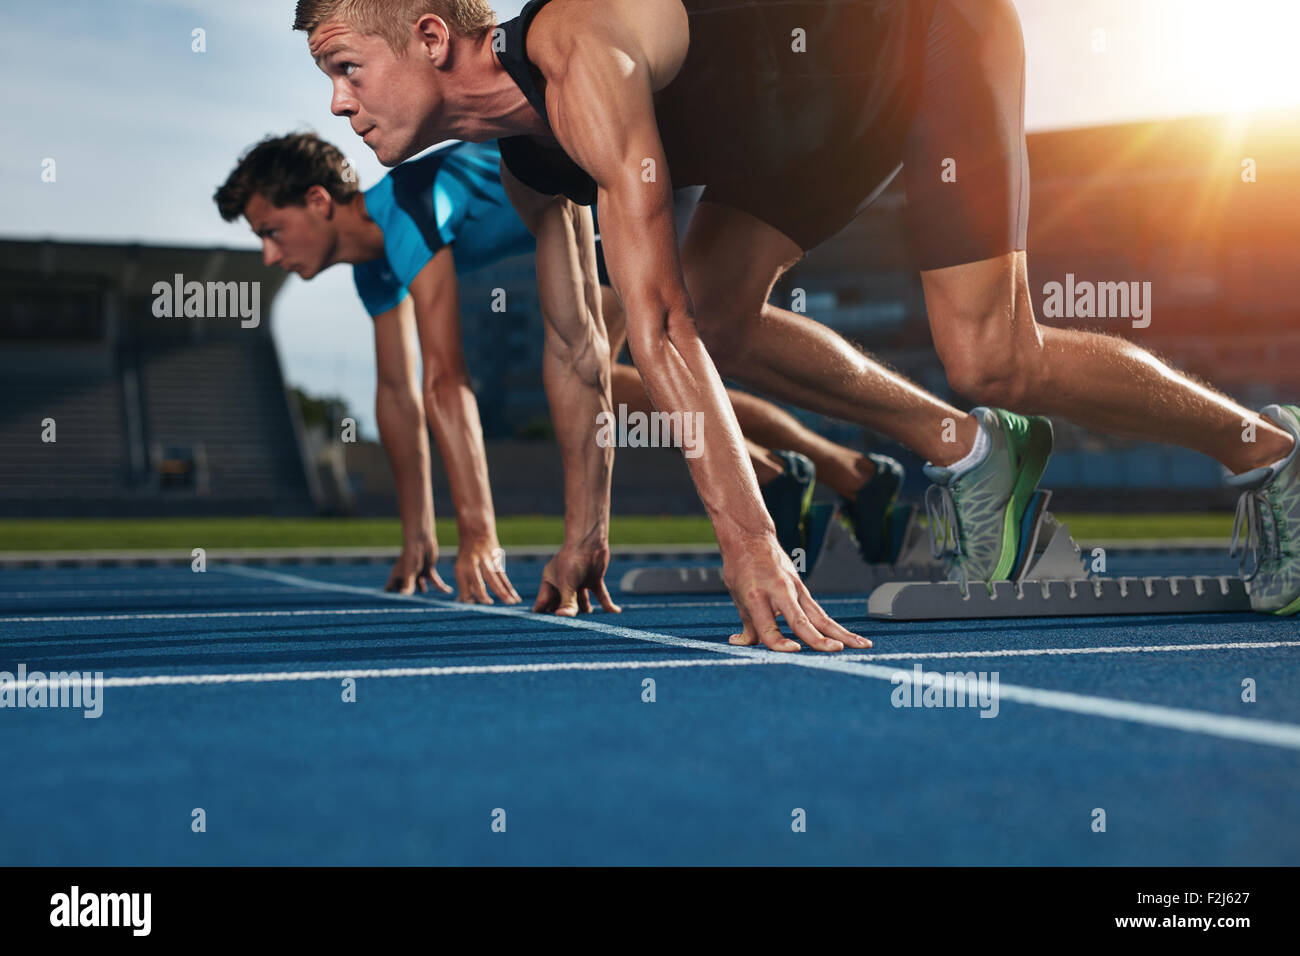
[319, 201]
[434, 38]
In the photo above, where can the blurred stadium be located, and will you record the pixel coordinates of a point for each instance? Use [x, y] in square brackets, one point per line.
[191, 416]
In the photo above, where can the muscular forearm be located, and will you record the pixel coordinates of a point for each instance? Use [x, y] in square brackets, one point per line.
[576, 376]
[575, 367]
[402, 432]
[453, 415]
[680, 377]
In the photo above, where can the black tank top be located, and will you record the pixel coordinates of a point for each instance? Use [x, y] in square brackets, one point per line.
[767, 86]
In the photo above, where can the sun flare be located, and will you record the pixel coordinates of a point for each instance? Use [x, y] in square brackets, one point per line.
[1238, 57]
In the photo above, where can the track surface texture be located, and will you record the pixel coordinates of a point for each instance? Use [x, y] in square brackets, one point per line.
[225, 693]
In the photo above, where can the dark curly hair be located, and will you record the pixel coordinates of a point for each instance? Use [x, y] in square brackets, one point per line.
[283, 168]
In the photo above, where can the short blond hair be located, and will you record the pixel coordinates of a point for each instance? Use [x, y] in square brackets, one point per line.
[392, 19]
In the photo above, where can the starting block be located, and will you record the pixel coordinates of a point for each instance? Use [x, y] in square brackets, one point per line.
[1051, 580]
[834, 564]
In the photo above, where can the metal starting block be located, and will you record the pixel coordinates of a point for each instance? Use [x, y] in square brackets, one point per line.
[1050, 580]
[836, 567]
[1047, 598]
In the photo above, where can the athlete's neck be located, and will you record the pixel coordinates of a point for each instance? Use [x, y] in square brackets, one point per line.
[359, 237]
[489, 104]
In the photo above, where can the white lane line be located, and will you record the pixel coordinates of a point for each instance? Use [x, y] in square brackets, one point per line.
[139, 592]
[200, 615]
[165, 680]
[313, 585]
[1065, 651]
[1255, 731]
[306, 612]
[1268, 732]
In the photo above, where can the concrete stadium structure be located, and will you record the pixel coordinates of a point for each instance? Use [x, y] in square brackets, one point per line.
[112, 403]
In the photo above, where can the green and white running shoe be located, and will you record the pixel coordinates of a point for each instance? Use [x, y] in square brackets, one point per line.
[975, 518]
[1267, 528]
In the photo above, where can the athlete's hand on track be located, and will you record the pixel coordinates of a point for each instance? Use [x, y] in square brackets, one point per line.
[569, 576]
[415, 567]
[480, 559]
[764, 583]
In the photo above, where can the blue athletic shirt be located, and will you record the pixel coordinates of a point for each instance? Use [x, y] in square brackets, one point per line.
[452, 195]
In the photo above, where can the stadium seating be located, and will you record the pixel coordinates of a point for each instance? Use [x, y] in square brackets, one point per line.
[76, 387]
[152, 415]
[226, 398]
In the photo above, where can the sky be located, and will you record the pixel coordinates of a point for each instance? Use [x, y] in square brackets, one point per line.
[143, 129]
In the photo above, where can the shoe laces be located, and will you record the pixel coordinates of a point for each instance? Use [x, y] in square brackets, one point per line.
[941, 516]
[945, 534]
[1254, 540]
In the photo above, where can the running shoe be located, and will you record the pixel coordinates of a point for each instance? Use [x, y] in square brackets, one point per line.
[976, 517]
[870, 509]
[789, 497]
[1266, 532]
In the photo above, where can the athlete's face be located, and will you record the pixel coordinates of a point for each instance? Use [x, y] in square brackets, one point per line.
[299, 239]
[394, 103]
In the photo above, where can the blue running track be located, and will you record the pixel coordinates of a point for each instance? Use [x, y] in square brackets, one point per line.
[225, 692]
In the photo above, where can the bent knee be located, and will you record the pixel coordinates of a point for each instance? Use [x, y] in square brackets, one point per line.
[998, 373]
[625, 387]
[725, 326]
[991, 366]
[997, 388]
[986, 337]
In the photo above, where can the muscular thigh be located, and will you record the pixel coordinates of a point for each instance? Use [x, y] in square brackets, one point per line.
[731, 260]
[965, 164]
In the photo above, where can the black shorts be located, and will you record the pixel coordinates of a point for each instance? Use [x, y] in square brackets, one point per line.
[959, 140]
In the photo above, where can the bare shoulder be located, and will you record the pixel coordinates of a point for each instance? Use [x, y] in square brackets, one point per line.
[655, 33]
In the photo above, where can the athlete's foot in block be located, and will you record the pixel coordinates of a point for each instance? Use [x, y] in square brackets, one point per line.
[571, 579]
[788, 497]
[768, 466]
[975, 514]
[1266, 533]
[869, 508]
[845, 471]
[765, 587]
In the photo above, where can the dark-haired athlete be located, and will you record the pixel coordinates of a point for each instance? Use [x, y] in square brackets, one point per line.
[794, 115]
[408, 238]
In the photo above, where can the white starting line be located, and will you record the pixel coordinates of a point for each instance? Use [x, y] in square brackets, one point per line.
[454, 670]
[201, 615]
[136, 592]
[311, 612]
[461, 670]
[1272, 733]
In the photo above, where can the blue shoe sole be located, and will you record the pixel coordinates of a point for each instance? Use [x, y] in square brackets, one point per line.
[1026, 541]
